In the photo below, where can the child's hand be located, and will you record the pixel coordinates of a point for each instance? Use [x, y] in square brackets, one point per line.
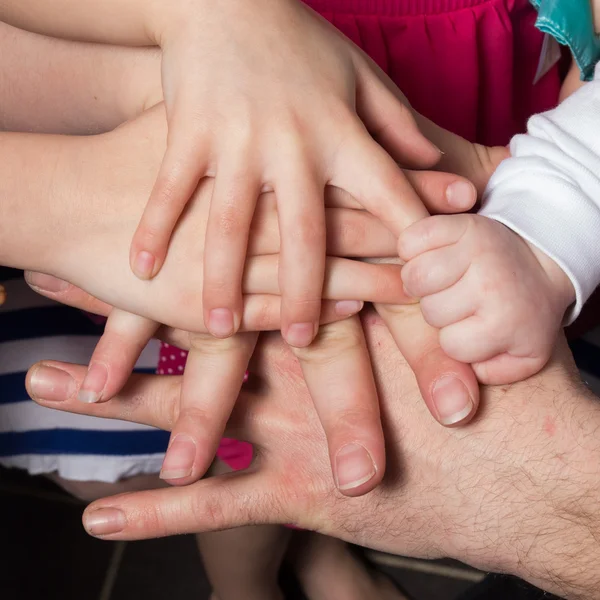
[498, 301]
[267, 95]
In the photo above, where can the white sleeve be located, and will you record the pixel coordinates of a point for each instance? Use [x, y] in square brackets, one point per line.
[549, 191]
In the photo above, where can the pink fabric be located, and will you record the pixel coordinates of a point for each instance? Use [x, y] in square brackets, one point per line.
[468, 65]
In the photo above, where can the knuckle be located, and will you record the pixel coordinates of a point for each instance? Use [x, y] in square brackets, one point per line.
[229, 221]
[331, 343]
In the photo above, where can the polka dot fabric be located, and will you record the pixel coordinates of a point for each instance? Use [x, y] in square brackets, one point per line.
[236, 454]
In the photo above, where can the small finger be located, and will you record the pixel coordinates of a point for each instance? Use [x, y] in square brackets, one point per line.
[430, 234]
[435, 271]
[125, 336]
[369, 174]
[212, 380]
[449, 306]
[474, 340]
[183, 165]
[232, 205]
[300, 208]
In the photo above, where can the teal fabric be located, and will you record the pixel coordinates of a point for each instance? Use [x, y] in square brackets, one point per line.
[571, 23]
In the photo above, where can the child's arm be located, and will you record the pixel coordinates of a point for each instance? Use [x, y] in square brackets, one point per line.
[549, 191]
[49, 85]
[260, 94]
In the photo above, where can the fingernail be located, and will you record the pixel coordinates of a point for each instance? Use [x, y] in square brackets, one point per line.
[345, 308]
[144, 265]
[452, 400]
[46, 282]
[353, 466]
[300, 335]
[93, 384]
[104, 521]
[179, 460]
[461, 194]
[48, 383]
[220, 322]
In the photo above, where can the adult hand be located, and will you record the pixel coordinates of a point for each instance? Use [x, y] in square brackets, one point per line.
[515, 491]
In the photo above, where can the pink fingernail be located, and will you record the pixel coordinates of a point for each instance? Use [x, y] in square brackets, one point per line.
[220, 322]
[180, 457]
[452, 400]
[345, 308]
[104, 521]
[48, 383]
[300, 335]
[93, 384]
[47, 283]
[461, 194]
[143, 266]
[353, 466]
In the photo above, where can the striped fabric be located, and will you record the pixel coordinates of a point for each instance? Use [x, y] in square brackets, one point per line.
[42, 440]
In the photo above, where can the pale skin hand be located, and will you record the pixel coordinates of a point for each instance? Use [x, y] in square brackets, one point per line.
[516, 491]
[498, 301]
[354, 383]
[293, 130]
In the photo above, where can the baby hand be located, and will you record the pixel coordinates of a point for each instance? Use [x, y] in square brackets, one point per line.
[498, 301]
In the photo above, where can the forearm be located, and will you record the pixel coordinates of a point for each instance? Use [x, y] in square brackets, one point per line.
[56, 86]
[41, 197]
[108, 21]
[528, 501]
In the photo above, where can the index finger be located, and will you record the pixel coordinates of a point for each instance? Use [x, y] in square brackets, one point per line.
[449, 387]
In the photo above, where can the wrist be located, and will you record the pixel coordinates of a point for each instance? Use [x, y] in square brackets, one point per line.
[534, 514]
[561, 288]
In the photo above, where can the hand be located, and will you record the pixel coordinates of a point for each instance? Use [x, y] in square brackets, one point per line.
[498, 301]
[494, 494]
[290, 121]
[115, 188]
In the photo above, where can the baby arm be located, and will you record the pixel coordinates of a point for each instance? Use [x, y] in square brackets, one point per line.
[498, 284]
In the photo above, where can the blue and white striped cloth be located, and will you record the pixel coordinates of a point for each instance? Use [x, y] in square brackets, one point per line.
[43, 440]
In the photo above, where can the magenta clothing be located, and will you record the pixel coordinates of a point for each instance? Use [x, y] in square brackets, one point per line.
[468, 65]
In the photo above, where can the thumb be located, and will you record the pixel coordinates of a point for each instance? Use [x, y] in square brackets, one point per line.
[461, 157]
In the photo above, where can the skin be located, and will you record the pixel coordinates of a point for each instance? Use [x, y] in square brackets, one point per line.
[293, 145]
[516, 491]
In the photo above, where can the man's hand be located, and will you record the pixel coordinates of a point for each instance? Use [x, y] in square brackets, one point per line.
[515, 491]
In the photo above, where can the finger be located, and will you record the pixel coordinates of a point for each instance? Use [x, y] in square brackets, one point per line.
[367, 172]
[56, 384]
[443, 193]
[472, 341]
[448, 386]
[262, 312]
[435, 271]
[184, 164]
[353, 233]
[475, 162]
[62, 291]
[300, 208]
[232, 205]
[450, 306]
[504, 369]
[389, 119]
[430, 234]
[337, 370]
[125, 336]
[344, 280]
[217, 503]
[212, 380]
